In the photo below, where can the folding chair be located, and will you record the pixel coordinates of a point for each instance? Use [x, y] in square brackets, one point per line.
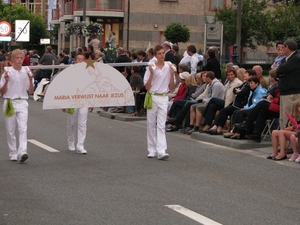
[267, 130]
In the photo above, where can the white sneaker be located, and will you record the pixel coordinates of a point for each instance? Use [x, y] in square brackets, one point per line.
[71, 146]
[81, 151]
[163, 157]
[14, 158]
[297, 160]
[23, 157]
[151, 155]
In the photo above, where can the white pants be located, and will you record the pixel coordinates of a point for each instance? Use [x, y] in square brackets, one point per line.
[19, 119]
[156, 120]
[77, 121]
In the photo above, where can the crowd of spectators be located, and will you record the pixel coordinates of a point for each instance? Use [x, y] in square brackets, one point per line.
[236, 107]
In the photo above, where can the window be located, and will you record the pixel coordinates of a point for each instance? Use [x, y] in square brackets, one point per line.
[216, 4]
[169, 0]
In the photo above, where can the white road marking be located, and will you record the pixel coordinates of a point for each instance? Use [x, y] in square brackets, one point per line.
[46, 147]
[194, 216]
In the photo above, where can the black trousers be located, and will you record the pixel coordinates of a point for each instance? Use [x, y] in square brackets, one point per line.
[212, 107]
[223, 115]
[259, 114]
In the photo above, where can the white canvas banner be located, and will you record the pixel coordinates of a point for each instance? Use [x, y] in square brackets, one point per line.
[88, 84]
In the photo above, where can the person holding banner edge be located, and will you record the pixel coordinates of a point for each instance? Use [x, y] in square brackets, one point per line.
[76, 120]
[15, 84]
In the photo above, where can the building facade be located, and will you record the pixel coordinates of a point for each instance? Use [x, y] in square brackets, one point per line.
[137, 23]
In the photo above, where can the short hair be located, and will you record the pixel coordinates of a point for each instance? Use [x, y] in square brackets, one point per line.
[211, 52]
[142, 53]
[48, 48]
[291, 44]
[134, 55]
[279, 43]
[25, 51]
[120, 51]
[128, 53]
[157, 48]
[254, 79]
[211, 75]
[231, 69]
[78, 54]
[91, 47]
[192, 48]
[176, 48]
[150, 51]
[183, 66]
[65, 51]
[17, 52]
[251, 72]
[135, 69]
[272, 73]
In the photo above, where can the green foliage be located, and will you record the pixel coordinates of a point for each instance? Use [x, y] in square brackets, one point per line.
[253, 19]
[260, 25]
[284, 21]
[175, 33]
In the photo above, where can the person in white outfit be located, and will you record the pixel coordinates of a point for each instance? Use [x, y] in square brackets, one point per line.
[158, 80]
[76, 121]
[15, 84]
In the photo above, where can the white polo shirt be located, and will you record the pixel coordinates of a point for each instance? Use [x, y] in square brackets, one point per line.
[18, 84]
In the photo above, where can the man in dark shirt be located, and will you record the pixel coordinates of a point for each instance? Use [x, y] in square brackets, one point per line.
[213, 64]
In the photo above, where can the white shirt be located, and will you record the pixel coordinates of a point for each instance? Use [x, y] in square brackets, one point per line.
[161, 79]
[18, 84]
[185, 60]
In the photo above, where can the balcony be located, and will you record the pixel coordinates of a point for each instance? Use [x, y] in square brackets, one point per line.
[68, 8]
[55, 14]
[100, 5]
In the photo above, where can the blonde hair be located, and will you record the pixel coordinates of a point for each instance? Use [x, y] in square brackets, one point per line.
[295, 110]
[240, 73]
[190, 81]
[17, 52]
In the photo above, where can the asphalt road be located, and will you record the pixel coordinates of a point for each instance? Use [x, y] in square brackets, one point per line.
[115, 183]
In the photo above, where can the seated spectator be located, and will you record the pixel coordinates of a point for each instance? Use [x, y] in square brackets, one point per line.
[294, 144]
[181, 68]
[181, 89]
[191, 85]
[280, 137]
[241, 96]
[258, 69]
[215, 89]
[240, 74]
[216, 104]
[99, 56]
[267, 108]
[257, 93]
[136, 83]
[183, 106]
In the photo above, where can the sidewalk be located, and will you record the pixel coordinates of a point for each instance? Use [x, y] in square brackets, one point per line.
[243, 144]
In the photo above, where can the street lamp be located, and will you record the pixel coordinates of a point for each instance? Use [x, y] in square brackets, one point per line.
[239, 27]
[128, 19]
[83, 19]
[9, 47]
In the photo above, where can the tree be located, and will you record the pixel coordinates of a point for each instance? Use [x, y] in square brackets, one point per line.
[253, 16]
[38, 28]
[175, 33]
[284, 21]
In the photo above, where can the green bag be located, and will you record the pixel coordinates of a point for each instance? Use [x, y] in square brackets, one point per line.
[9, 109]
[70, 110]
[148, 101]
